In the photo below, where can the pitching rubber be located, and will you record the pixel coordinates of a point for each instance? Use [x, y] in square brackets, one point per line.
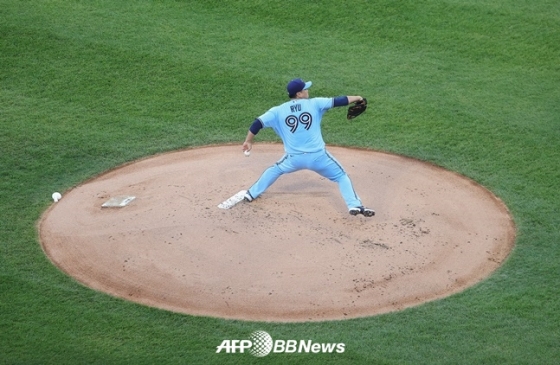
[232, 201]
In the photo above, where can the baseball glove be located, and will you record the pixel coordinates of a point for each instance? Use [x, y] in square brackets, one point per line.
[356, 109]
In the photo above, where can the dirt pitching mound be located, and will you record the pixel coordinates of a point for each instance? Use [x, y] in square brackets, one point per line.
[294, 254]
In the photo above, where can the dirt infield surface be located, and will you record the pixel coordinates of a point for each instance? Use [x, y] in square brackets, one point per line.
[292, 255]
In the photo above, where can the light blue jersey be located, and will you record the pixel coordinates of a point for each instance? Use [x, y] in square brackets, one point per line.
[298, 123]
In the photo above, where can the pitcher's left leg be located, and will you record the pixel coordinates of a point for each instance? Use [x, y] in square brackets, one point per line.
[268, 177]
[283, 166]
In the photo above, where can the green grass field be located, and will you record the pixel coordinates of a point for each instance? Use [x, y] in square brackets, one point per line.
[473, 86]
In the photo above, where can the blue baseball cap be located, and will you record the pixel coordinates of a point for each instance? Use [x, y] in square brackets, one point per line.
[297, 85]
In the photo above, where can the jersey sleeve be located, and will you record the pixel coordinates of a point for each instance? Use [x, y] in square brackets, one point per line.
[268, 118]
[324, 104]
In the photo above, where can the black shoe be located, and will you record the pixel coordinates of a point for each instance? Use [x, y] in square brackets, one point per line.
[361, 210]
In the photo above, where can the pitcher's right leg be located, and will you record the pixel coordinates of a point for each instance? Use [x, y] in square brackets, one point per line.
[330, 168]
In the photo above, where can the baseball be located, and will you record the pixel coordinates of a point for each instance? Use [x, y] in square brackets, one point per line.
[247, 153]
[56, 197]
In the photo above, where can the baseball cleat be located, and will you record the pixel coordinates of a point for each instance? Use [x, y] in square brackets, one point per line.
[368, 212]
[361, 210]
[248, 197]
[355, 211]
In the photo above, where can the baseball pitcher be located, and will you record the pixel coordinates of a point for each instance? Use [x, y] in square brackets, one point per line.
[298, 123]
